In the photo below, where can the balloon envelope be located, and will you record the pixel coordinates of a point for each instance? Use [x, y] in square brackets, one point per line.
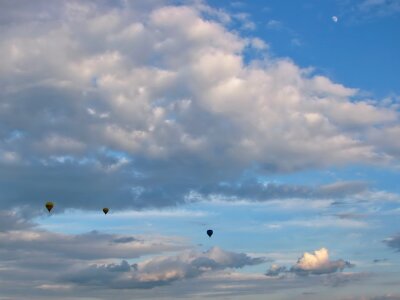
[105, 210]
[209, 232]
[49, 206]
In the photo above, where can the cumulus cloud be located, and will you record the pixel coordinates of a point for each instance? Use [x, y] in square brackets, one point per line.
[316, 263]
[94, 92]
[159, 270]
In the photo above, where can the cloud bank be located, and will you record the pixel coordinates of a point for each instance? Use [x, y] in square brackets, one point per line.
[159, 271]
[119, 96]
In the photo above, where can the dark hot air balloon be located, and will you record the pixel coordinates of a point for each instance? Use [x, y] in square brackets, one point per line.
[210, 232]
[49, 206]
[105, 210]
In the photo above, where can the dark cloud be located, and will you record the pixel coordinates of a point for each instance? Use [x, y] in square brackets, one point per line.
[386, 297]
[21, 241]
[393, 242]
[276, 270]
[13, 221]
[123, 240]
[159, 271]
[379, 260]
[342, 279]
[92, 245]
[350, 216]
[32, 259]
[90, 184]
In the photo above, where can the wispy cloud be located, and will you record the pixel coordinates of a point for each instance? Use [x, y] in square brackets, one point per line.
[322, 222]
[380, 7]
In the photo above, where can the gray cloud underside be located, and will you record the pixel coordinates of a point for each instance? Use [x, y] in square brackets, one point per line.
[94, 93]
[332, 267]
[42, 265]
[92, 185]
[159, 271]
[204, 287]
[44, 261]
[34, 247]
[256, 191]
[393, 242]
[386, 297]
[316, 263]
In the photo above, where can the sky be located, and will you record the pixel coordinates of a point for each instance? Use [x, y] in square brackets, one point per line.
[273, 123]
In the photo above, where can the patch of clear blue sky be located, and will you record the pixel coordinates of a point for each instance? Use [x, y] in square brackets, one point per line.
[359, 51]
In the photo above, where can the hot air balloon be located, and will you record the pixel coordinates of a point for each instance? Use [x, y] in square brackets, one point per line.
[49, 206]
[210, 232]
[105, 210]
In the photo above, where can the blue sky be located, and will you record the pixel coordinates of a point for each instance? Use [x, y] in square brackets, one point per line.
[355, 51]
[274, 124]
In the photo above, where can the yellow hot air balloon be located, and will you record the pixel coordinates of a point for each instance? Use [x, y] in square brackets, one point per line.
[49, 206]
[105, 210]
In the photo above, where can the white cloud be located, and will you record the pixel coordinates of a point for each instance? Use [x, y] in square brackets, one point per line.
[168, 88]
[318, 263]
